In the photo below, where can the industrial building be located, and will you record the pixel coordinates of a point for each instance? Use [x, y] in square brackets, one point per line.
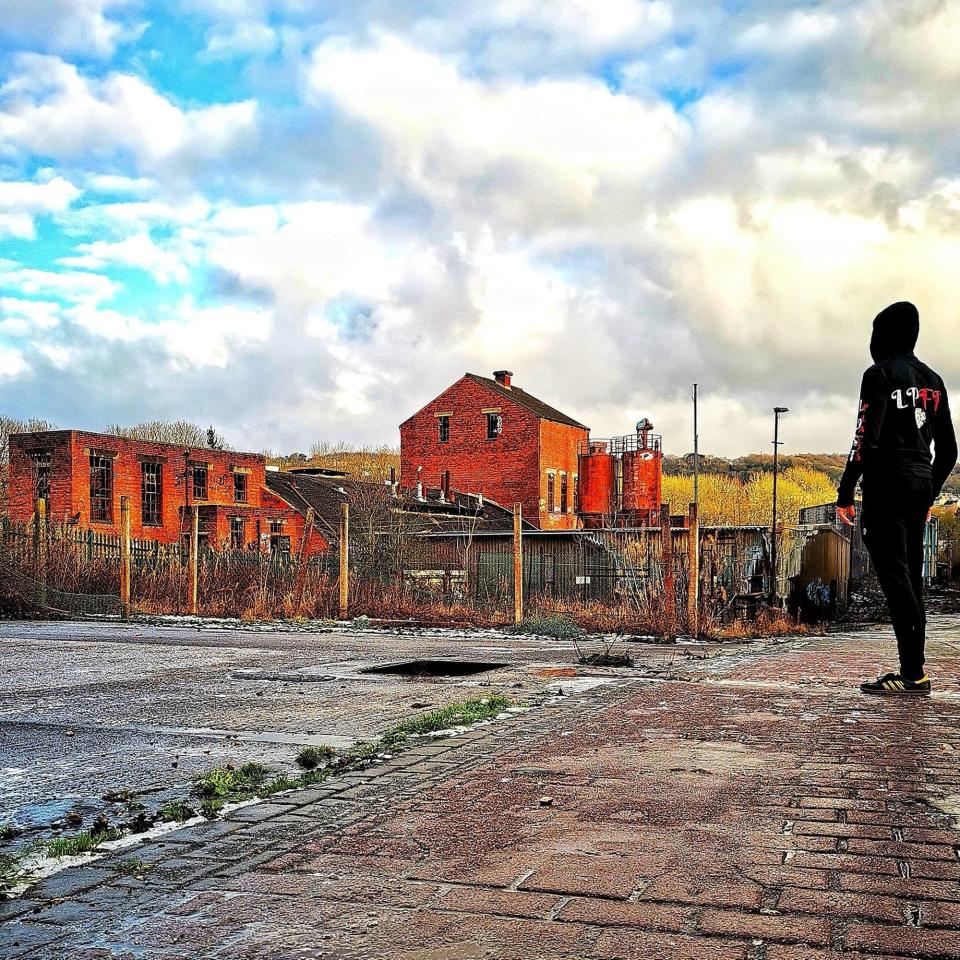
[491, 437]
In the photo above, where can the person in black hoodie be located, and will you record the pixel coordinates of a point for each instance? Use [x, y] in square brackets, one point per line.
[903, 409]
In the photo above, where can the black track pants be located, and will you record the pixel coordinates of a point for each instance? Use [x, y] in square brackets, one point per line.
[892, 524]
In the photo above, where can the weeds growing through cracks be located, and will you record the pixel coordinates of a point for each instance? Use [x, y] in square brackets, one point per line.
[252, 780]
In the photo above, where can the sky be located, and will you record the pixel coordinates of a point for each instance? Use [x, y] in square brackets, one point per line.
[302, 220]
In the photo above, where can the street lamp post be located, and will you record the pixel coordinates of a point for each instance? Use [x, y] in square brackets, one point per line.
[773, 538]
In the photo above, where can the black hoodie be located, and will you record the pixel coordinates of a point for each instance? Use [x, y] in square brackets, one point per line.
[903, 408]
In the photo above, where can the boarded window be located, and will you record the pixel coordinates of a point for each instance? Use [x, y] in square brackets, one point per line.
[101, 488]
[41, 478]
[494, 425]
[443, 425]
[200, 491]
[551, 492]
[151, 494]
[564, 493]
[238, 533]
[240, 487]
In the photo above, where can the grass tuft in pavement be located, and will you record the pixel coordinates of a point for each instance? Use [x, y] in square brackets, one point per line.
[178, 811]
[309, 758]
[461, 714]
[12, 874]
[227, 784]
[83, 842]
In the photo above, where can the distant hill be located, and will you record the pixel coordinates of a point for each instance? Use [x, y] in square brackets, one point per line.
[831, 464]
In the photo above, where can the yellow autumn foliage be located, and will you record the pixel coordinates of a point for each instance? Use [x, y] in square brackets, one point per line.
[728, 499]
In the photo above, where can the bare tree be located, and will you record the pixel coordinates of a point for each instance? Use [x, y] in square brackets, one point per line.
[9, 425]
[181, 432]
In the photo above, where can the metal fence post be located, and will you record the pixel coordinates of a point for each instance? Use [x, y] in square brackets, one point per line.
[193, 572]
[693, 573]
[517, 563]
[125, 557]
[344, 560]
[666, 552]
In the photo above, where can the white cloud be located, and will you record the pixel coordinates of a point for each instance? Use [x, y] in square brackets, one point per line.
[79, 26]
[21, 318]
[138, 251]
[51, 109]
[535, 151]
[22, 202]
[12, 362]
[244, 39]
[111, 183]
[70, 285]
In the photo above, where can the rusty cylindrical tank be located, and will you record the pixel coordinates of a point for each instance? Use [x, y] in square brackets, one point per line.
[642, 473]
[597, 485]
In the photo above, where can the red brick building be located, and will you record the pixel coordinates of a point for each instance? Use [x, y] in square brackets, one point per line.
[82, 476]
[496, 439]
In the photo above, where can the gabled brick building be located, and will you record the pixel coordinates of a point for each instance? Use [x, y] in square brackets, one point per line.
[83, 475]
[488, 436]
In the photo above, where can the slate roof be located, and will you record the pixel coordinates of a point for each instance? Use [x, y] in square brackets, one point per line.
[527, 400]
[326, 494]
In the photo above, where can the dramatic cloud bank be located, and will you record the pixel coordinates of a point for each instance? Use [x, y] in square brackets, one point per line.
[302, 220]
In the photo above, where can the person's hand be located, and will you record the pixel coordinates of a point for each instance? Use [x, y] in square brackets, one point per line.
[847, 515]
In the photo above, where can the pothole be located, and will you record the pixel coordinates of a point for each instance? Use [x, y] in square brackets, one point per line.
[434, 668]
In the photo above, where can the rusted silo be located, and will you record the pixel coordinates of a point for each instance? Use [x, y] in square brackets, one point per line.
[642, 473]
[596, 484]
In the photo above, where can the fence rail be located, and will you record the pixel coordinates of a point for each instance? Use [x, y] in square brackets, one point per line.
[645, 570]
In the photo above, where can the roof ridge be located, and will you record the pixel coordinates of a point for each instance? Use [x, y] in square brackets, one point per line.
[534, 404]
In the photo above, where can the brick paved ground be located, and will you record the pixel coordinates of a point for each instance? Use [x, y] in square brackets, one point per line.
[731, 809]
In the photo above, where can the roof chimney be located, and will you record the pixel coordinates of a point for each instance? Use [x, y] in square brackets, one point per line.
[503, 377]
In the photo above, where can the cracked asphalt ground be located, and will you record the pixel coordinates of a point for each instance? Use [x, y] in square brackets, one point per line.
[749, 804]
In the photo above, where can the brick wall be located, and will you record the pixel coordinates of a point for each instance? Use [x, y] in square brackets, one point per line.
[558, 454]
[508, 469]
[69, 455]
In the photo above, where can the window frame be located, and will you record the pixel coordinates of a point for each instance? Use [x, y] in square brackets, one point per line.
[203, 468]
[101, 464]
[238, 533]
[155, 518]
[240, 479]
[564, 492]
[41, 464]
[443, 429]
[551, 492]
[494, 425]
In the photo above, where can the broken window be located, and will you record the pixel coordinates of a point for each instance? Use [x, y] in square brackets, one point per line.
[551, 492]
[576, 501]
[238, 528]
[41, 478]
[494, 425]
[279, 543]
[101, 488]
[240, 487]
[199, 481]
[564, 493]
[151, 494]
[444, 428]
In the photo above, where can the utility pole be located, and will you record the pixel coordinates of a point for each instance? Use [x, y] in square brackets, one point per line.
[517, 563]
[696, 452]
[773, 537]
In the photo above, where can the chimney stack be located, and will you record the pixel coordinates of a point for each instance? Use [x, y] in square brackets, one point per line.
[503, 377]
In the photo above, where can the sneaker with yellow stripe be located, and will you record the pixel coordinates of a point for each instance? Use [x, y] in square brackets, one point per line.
[895, 685]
